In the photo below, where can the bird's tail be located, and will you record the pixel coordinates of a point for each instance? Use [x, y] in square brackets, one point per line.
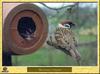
[76, 55]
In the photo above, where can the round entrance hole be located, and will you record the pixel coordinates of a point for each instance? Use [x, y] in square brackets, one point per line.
[22, 21]
[26, 27]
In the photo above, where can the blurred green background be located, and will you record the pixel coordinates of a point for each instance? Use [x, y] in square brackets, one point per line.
[85, 17]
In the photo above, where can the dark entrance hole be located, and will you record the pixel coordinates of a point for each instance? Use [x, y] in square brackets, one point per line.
[26, 26]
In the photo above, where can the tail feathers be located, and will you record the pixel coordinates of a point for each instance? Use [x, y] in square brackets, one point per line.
[75, 54]
[78, 56]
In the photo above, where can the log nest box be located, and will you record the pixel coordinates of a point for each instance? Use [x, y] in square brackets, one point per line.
[24, 19]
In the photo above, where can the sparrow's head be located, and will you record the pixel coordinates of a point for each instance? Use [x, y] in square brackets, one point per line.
[66, 24]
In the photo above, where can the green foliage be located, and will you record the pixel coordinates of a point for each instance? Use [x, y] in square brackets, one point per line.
[86, 38]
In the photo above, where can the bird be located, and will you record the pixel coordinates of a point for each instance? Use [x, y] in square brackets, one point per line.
[65, 39]
[27, 28]
[28, 35]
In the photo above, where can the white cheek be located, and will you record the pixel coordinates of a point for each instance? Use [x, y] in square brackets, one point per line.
[60, 25]
[68, 26]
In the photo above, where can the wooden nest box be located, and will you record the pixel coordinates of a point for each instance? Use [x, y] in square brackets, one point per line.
[20, 20]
